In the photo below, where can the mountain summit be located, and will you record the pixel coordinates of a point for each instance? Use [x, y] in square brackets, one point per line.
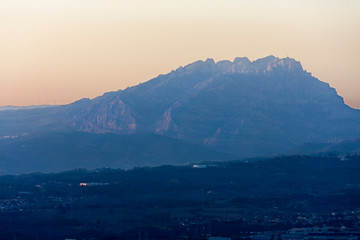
[241, 107]
[269, 65]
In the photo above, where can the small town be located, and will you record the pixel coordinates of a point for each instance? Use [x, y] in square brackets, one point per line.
[185, 203]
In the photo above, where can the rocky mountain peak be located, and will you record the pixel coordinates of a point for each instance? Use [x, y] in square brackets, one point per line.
[270, 63]
[243, 65]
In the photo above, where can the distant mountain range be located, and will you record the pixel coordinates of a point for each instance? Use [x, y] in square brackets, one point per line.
[11, 107]
[241, 108]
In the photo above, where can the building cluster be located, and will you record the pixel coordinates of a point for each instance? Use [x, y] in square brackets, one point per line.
[14, 205]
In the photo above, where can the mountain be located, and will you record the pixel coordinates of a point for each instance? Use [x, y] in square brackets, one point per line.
[59, 151]
[241, 107]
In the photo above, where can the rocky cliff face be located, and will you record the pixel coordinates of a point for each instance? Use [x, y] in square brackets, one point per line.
[105, 114]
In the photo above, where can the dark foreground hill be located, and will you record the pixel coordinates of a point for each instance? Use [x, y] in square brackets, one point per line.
[54, 152]
[234, 199]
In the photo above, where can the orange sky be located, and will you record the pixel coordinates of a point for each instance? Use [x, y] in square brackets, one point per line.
[58, 51]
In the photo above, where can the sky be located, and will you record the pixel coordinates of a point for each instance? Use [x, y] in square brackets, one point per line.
[59, 51]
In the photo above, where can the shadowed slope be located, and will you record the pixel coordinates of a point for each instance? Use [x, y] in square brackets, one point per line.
[63, 151]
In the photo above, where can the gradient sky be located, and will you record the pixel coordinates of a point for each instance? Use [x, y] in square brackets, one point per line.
[58, 51]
